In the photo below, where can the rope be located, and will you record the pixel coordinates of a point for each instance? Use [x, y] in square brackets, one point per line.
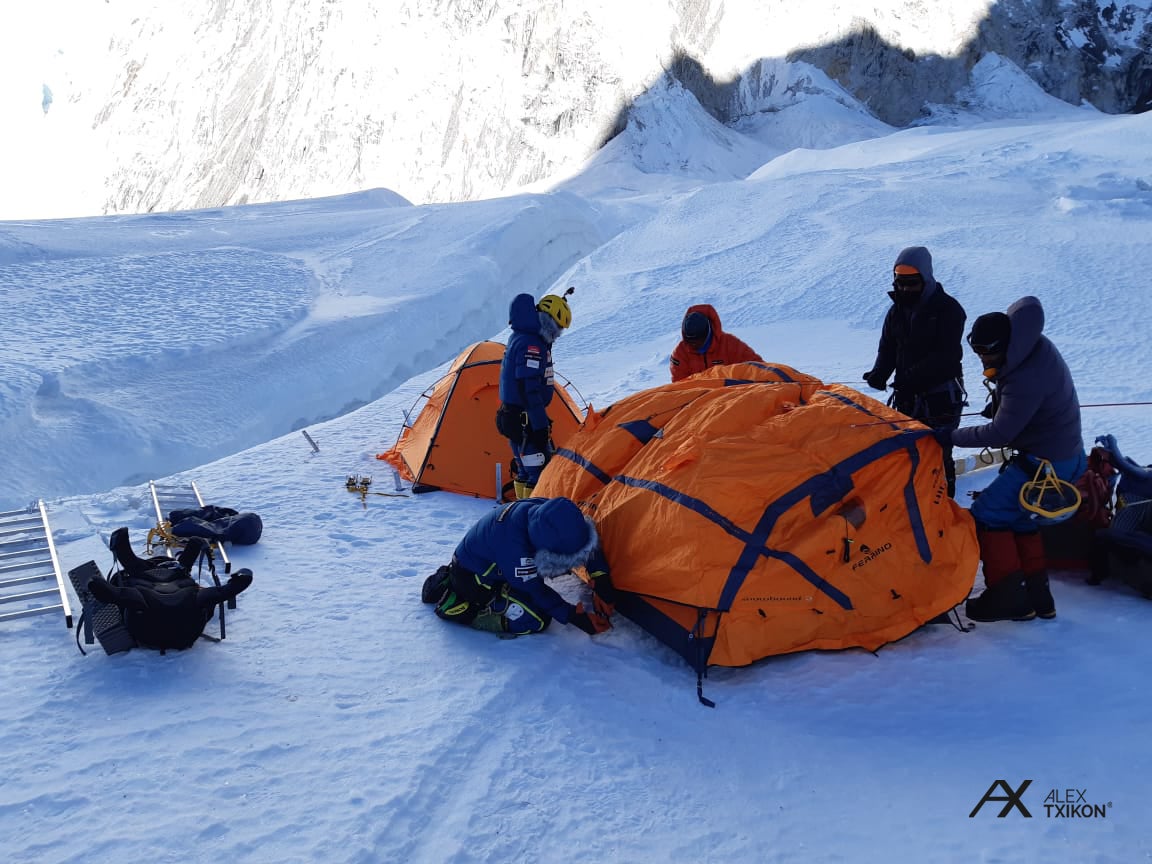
[1049, 497]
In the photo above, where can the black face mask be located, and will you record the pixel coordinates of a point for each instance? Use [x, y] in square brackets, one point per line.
[906, 298]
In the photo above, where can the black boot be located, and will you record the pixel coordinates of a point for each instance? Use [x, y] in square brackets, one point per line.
[436, 586]
[1040, 595]
[1006, 600]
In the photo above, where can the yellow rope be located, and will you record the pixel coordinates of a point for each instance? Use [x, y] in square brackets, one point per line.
[1063, 498]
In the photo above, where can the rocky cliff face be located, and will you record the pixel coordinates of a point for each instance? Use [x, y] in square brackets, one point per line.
[200, 105]
[1079, 51]
[1096, 51]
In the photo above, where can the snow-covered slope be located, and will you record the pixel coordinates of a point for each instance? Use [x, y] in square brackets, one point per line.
[342, 722]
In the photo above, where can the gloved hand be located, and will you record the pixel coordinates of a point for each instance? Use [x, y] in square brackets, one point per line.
[597, 568]
[539, 439]
[603, 591]
[989, 410]
[1126, 465]
[875, 381]
[602, 606]
[943, 437]
[590, 623]
[1108, 442]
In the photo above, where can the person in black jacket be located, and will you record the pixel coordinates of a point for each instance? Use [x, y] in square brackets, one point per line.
[922, 342]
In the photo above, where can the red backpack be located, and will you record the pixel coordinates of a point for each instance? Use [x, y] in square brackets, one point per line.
[1096, 485]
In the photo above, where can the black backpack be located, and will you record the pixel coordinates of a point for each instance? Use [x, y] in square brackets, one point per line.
[160, 604]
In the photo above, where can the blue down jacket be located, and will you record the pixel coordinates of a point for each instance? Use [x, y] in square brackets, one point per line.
[522, 542]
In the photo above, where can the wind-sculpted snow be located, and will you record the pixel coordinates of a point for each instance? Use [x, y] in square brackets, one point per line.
[210, 323]
[75, 302]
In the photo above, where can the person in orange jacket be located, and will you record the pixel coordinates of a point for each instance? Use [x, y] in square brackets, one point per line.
[704, 343]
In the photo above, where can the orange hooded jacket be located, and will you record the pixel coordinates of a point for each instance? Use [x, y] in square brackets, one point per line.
[721, 349]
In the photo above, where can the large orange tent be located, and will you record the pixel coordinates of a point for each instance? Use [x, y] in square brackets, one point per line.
[453, 443]
[752, 510]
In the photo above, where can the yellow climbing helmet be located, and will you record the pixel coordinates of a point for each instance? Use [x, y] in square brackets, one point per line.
[557, 308]
[1048, 499]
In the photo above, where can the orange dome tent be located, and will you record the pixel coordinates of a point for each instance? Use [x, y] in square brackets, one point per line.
[453, 443]
[750, 510]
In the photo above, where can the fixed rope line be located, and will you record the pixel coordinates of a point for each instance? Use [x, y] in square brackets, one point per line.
[981, 414]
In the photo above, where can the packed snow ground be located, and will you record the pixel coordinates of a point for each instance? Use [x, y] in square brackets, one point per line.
[341, 722]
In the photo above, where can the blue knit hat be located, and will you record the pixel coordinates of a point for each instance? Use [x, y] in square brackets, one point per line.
[558, 526]
[695, 327]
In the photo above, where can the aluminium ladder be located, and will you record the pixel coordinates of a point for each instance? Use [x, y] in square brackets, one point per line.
[165, 499]
[27, 557]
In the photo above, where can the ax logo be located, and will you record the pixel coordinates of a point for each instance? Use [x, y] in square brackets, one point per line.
[1011, 798]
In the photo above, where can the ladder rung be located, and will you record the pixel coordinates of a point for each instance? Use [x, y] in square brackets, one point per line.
[31, 595]
[16, 568]
[36, 531]
[23, 544]
[23, 553]
[24, 580]
[39, 610]
[18, 513]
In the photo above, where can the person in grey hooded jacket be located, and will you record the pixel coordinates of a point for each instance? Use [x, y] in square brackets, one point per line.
[1033, 409]
[922, 343]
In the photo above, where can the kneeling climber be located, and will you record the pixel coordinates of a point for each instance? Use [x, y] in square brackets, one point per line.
[495, 581]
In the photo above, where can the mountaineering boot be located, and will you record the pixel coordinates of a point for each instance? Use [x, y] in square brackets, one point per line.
[1005, 598]
[436, 586]
[1033, 563]
[453, 608]
[1040, 595]
[523, 490]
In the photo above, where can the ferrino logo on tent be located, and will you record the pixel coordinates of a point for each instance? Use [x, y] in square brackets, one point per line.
[870, 554]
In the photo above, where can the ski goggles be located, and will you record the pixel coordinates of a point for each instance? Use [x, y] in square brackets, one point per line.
[912, 282]
[987, 349]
